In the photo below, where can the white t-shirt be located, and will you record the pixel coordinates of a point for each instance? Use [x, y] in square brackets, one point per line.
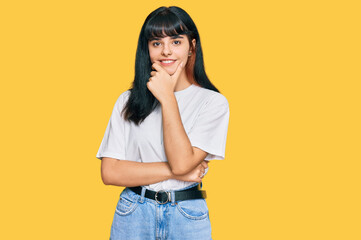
[205, 117]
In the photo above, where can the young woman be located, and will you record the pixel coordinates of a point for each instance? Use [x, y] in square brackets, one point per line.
[162, 133]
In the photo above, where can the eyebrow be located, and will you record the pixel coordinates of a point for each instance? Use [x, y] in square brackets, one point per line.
[172, 37]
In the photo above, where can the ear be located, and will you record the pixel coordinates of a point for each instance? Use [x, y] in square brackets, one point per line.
[194, 43]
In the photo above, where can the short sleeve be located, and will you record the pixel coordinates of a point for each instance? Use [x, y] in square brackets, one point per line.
[113, 142]
[209, 131]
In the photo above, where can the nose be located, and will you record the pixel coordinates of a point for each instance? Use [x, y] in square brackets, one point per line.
[166, 50]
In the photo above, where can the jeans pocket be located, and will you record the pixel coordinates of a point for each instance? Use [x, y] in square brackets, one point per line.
[126, 203]
[195, 209]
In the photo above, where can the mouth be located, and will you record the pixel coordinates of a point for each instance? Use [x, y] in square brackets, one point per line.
[167, 62]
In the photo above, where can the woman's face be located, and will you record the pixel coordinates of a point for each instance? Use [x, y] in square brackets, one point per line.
[175, 49]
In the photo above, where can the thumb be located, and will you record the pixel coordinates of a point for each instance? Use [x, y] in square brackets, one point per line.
[175, 76]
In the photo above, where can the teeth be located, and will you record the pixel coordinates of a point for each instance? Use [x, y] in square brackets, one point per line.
[168, 61]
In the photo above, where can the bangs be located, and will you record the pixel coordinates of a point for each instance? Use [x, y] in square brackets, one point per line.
[164, 25]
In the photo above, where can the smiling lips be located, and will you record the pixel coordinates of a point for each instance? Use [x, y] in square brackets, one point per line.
[167, 62]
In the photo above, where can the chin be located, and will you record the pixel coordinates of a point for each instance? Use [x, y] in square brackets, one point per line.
[170, 71]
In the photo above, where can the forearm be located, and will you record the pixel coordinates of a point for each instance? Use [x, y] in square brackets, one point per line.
[178, 148]
[129, 173]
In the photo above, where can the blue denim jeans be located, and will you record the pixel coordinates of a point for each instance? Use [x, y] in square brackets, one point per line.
[139, 218]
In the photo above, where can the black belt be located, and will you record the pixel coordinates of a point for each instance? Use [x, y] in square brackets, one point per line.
[163, 197]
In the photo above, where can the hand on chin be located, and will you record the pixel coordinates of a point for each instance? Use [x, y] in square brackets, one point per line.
[163, 80]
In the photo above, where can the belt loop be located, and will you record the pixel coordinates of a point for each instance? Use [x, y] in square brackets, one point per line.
[172, 196]
[201, 184]
[142, 194]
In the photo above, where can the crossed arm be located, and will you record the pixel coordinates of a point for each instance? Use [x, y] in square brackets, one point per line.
[181, 155]
[185, 162]
[129, 173]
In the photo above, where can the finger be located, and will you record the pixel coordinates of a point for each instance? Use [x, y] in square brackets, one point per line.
[207, 163]
[153, 73]
[175, 75]
[158, 67]
[204, 164]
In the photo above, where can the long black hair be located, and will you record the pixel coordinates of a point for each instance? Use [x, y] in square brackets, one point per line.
[162, 22]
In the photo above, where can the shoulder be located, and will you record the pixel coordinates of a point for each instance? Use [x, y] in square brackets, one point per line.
[124, 95]
[212, 98]
[122, 99]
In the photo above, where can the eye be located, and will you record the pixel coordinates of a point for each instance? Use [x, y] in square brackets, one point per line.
[177, 41]
[154, 44]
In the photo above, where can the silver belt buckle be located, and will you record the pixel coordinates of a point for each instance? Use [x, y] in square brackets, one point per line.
[156, 194]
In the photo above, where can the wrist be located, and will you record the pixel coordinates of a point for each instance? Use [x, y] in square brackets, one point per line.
[176, 177]
[171, 175]
[167, 99]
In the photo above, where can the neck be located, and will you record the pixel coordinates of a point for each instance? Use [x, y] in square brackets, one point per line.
[182, 82]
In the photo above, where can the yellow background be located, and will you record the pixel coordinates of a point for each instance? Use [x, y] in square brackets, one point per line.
[289, 69]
